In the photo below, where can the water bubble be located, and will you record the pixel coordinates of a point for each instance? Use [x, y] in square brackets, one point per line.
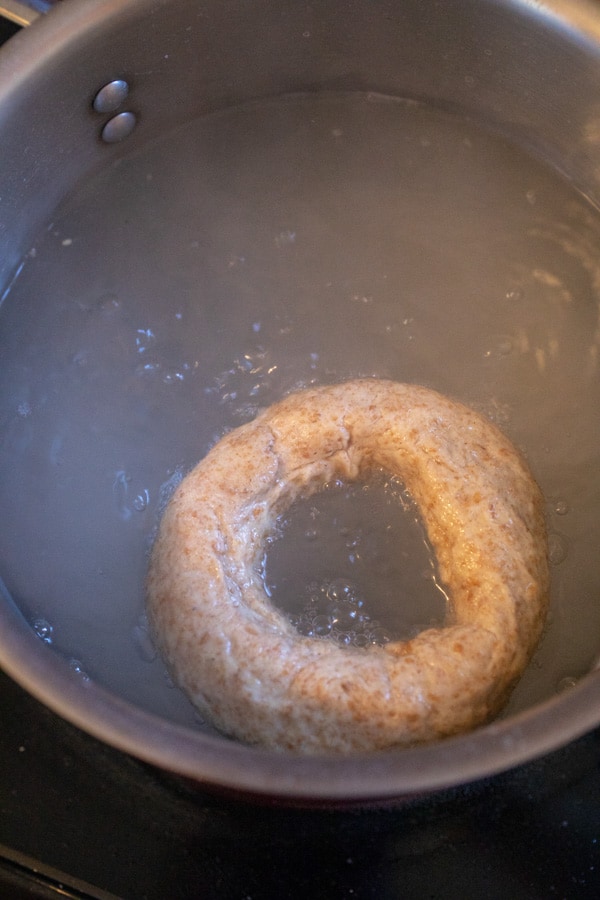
[344, 619]
[108, 306]
[379, 636]
[504, 347]
[320, 606]
[144, 339]
[175, 374]
[244, 382]
[305, 627]
[44, 630]
[340, 589]
[80, 358]
[121, 491]
[514, 294]
[235, 261]
[557, 548]
[76, 666]
[334, 610]
[309, 607]
[285, 237]
[142, 500]
[143, 641]
[566, 683]
[353, 540]
[561, 507]
[148, 368]
[322, 625]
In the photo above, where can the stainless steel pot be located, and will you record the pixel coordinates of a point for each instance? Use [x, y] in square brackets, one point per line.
[99, 81]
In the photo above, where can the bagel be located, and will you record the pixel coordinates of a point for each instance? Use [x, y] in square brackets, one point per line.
[244, 665]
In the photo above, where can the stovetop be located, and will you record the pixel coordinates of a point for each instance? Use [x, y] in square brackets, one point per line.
[81, 820]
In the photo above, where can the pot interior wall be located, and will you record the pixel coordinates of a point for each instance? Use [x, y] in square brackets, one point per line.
[525, 71]
[381, 190]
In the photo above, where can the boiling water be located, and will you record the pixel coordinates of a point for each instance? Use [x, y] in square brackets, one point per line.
[372, 574]
[301, 241]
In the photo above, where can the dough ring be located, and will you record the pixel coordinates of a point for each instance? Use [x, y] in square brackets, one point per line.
[244, 665]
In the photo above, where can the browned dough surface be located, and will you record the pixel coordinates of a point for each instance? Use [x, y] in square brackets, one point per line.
[244, 665]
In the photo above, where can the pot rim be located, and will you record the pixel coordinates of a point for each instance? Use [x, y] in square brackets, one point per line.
[27, 52]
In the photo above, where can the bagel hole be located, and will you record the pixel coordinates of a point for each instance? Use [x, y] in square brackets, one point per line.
[352, 563]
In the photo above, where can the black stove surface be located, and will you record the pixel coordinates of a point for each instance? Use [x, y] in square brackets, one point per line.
[79, 820]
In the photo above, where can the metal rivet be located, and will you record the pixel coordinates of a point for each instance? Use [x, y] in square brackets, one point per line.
[111, 96]
[118, 128]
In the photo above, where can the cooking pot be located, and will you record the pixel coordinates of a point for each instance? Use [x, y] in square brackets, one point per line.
[203, 206]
